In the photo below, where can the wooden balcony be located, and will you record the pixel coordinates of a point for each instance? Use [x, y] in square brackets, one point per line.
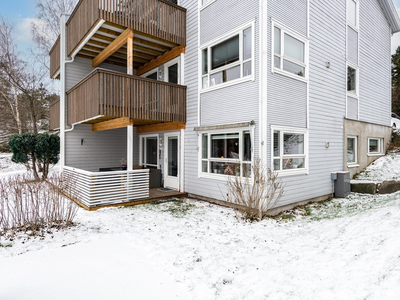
[55, 115]
[55, 59]
[104, 95]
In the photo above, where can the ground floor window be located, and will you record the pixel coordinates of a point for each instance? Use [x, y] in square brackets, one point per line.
[289, 149]
[149, 150]
[351, 150]
[375, 146]
[226, 153]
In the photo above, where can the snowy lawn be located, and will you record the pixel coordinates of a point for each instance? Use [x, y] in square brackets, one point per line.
[384, 168]
[340, 249]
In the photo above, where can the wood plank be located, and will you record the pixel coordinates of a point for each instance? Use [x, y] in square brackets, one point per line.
[122, 50]
[151, 44]
[161, 60]
[130, 56]
[113, 47]
[160, 127]
[112, 124]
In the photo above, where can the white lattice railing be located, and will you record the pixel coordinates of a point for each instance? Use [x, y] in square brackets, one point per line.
[105, 188]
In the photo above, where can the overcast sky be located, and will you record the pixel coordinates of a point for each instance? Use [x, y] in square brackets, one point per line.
[22, 12]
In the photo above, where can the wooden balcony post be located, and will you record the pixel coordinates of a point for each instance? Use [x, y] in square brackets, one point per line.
[130, 55]
[129, 153]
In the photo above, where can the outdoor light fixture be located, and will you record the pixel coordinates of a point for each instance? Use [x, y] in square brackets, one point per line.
[328, 64]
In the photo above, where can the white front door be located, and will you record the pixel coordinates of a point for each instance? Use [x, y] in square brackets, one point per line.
[171, 160]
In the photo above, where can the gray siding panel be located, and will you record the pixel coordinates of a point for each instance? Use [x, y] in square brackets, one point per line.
[352, 108]
[375, 64]
[352, 45]
[291, 13]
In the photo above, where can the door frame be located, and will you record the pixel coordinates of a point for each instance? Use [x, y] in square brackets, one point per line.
[170, 63]
[178, 177]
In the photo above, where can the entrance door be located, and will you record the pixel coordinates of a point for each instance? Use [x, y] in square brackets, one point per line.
[171, 158]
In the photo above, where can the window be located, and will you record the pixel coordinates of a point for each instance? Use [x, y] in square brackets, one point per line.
[152, 76]
[289, 150]
[352, 12]
[375, 146]
[228, 60]
[149, 151]
[351, 150]
[289, 52]
[352, 80]
[205, 2]
[227, 153]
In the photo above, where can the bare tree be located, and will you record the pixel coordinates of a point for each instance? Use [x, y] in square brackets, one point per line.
[46, 27]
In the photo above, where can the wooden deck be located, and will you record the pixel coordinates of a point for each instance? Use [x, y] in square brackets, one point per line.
[155, 195]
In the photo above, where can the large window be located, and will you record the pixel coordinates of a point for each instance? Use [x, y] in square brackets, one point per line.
[351, 150]
[375, 146]
[149, 151]
[289, 51]
[226, 153]
[289, 150]
[228, 60]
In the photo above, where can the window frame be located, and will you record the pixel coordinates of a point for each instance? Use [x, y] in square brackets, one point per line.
[296, 130]
[294, 34]
[171, 63]
[355, 67]
[380, 146]
[357, 25]
[209, 159]
[355, 163]
[240, 62]
[141, 158]
[202, 6]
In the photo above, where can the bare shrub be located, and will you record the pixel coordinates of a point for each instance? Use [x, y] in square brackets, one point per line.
[34, 207]
[255, 195]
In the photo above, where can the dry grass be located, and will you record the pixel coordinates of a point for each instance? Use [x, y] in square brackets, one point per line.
[255, 195]
[34, 207]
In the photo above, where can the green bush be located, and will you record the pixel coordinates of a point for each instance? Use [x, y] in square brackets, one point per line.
[40, 150]
[4, 147]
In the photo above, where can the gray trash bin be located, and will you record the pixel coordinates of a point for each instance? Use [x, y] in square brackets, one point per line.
[342, 184]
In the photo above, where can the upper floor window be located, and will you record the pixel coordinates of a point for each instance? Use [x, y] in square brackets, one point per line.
[228, 60]
[205, 2]
[289, 51]
[352, 12]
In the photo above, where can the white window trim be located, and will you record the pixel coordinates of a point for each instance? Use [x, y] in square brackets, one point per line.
[305, 131]
[357, 26]
[170, 63]
[155, 70]
[351, 94]
[201, 6]
[380, 147]
[284, 29]
[355, 163]
[236, 31]
[223, 177]
[141, 158]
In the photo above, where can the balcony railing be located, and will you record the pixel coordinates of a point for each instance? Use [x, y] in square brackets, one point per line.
[159, 18]
[55, 58]
[55, 115]
[116, 95]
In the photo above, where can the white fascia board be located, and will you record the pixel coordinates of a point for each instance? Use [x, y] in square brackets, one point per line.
[391, 14]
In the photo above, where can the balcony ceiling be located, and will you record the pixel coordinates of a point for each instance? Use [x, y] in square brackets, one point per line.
[145, 47]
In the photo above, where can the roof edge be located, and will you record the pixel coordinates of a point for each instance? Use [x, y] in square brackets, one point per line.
[391, 14]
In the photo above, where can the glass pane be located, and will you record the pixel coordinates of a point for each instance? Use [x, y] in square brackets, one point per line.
[143, 150]
[205, 145]
[225, 52]
[373, 146]
[277, 40]
[152, 76]
[351, 79]
[247, 68]
[293, 143]
[277, 62]
[247, 43]
[225, 75]
[225, 168]
[204, 166]
[246, 146]
[277, 144]
[204, 2]
[205, 82]
[294, 48]
[352, 45]
[205, 62]
[351, 150]
[352, 12]
[173, 74]
[246, 171]
[277, 164]
[293, 163]
[151, 151]
[294, 68]
[173, 156]
[225, 145]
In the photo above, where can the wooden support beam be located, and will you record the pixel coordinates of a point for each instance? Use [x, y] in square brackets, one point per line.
[160, 127]
[113, 47]
[112, 124]
[116, 54]
[161, 60]
[129, 58]
[138, 47]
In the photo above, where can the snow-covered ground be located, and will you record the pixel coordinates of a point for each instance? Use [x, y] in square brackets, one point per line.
[340, 249]
[384, 168]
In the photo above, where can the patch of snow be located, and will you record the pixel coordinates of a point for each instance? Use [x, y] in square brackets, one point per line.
[383, 169]
[345, 249]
